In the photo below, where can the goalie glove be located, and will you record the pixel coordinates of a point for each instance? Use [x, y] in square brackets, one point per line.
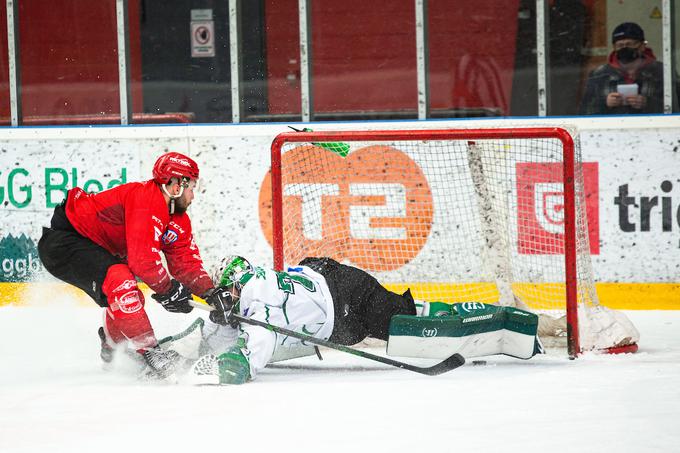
[223, 303]
[176, 300]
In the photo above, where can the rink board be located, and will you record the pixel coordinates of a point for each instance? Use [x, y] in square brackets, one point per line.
[636, 264]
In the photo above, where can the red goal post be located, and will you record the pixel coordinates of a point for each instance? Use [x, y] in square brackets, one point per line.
[311, 141]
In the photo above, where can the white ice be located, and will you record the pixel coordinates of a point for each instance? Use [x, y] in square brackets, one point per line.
[55, 397]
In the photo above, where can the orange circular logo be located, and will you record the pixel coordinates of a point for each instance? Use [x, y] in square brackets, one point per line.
[372, 208]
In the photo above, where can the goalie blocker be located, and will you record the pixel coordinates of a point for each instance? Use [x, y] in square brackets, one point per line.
[471, 329]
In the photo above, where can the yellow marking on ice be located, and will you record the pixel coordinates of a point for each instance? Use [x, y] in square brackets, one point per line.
[622, 296]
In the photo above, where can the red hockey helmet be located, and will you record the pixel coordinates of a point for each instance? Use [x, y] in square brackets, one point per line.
[174, 165]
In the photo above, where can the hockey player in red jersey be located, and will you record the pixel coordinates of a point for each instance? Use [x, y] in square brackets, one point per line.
[102, 242]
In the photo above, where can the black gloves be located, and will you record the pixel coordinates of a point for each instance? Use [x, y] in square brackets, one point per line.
[176, 300]
[223, 303]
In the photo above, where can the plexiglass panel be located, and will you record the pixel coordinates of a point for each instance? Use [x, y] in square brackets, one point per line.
[185, 61]
[623, 58]
[482, 58]
[69, 62]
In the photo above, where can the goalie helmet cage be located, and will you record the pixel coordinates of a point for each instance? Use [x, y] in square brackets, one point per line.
[493, 215]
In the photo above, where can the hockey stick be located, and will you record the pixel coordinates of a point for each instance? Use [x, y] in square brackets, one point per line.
[448, 364]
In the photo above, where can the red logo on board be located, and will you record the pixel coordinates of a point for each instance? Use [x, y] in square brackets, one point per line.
[540, 208]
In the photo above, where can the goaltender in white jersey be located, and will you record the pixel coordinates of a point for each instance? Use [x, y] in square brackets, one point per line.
[302, 300]
[297, 300]
[338, 303]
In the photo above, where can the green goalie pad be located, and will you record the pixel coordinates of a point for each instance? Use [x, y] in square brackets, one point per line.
[471, 329]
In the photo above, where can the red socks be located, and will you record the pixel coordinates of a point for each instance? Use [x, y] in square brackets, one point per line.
[126, 318]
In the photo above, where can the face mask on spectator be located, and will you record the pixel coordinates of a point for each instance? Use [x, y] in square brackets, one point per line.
[627, 54]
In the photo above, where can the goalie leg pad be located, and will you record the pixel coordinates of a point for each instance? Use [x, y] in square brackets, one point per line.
[472, 329]
[292, 351]
[218, 338]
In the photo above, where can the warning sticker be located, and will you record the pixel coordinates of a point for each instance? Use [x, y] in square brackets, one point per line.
[202, 38]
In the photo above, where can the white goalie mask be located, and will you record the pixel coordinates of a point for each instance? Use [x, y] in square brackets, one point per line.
[231, 270]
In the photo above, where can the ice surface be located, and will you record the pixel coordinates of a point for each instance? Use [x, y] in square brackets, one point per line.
[55, 397]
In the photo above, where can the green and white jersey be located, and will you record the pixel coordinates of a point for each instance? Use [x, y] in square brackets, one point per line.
[298, 300]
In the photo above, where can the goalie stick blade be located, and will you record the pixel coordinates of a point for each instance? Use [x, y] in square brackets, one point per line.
[451, 363]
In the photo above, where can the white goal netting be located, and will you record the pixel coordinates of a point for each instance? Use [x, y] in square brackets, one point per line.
[456, 218]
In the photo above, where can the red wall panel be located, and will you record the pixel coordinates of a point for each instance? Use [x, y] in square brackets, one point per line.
[69, 62]
[282, 53]
[4, 69]
[472, 53]
[364, 55]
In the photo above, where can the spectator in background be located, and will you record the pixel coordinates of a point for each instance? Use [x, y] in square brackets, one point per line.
[611, 87]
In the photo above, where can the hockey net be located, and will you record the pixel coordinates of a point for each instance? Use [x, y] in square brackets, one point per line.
[465, 215]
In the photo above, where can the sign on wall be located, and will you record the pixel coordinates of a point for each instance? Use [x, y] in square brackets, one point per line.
[202, 33]
[35, 177]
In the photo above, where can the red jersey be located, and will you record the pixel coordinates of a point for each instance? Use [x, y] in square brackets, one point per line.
[132, 222]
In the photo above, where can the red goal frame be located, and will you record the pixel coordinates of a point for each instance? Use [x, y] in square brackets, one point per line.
[569, 165]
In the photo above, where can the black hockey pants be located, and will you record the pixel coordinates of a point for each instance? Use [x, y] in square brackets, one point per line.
[73, 258]
[362, 307]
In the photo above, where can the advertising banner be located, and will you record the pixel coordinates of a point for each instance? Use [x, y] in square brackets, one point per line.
[631, 177]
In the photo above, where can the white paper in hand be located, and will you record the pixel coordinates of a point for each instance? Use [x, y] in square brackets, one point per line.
[628, 89]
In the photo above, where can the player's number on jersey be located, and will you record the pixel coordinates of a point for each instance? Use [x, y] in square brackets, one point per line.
[287, 282]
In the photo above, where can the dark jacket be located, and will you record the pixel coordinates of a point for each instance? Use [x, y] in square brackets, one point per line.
[604, 79]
